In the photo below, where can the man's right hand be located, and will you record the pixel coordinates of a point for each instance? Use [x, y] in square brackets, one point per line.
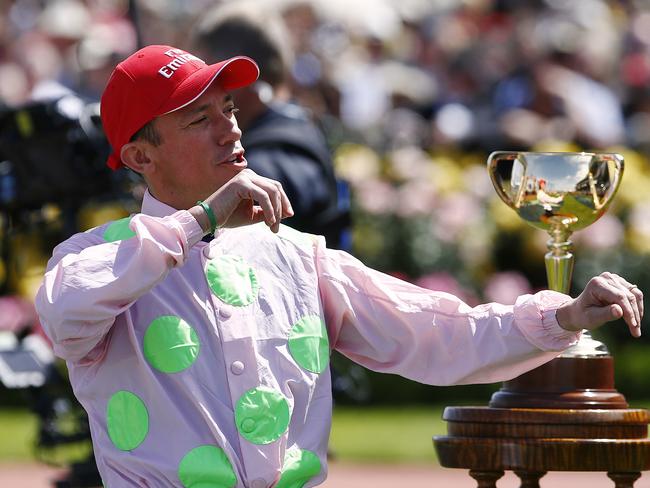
[249, 198]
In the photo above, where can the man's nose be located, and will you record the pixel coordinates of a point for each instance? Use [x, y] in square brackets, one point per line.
[227, 131]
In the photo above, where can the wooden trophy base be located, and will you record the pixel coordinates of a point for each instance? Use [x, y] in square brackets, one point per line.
[563, 416]
[565, 382]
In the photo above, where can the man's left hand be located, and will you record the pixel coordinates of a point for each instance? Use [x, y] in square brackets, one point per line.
[606, 297]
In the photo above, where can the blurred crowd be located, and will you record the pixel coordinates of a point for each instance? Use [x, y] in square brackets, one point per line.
[413, 95]
[483, 73]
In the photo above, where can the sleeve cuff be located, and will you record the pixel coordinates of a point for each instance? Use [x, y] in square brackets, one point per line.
[190, 227]
[535, 317]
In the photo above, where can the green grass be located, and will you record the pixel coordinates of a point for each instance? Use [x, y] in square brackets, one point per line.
[394, 434]
[387, 435]
[18, 429]
[359, 434]
[18, 434]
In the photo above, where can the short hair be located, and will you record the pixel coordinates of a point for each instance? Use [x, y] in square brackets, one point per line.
[149, 133]
[237, 29]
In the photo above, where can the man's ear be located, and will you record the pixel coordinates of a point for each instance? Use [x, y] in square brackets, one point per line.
[136, 156]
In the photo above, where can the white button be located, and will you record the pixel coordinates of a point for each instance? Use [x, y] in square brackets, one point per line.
[259, 483]
[206, 251]
[225, 312]
[237, 367]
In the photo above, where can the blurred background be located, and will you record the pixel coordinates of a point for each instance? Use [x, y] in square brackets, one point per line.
[412, 96]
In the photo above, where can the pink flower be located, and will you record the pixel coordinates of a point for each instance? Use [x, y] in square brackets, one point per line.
[415, 198]
[478, 182]
[410, 163]
[605, 233]
[376, 197]
[506, 286]
[639, 218]
[454, 213]
[16, 314]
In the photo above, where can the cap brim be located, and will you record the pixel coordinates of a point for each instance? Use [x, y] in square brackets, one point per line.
[232, 73]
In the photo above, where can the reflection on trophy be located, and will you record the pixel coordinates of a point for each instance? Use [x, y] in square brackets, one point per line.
[559, 193]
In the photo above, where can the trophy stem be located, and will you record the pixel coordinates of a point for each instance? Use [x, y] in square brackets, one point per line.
[559, 260]
[559, 269]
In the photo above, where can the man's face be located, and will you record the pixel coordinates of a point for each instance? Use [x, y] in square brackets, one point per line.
[200, 149]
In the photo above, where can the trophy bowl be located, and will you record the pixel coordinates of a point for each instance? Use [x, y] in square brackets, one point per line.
[556, 190]
[559, 192]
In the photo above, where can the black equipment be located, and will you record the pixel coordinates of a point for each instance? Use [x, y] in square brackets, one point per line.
[52, 151]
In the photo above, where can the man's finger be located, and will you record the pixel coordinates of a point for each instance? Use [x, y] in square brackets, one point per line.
[635, 296]
[607, 313]
[287, 209]
[598, 315]
[278, 209]
[638, 295]
[610, 294]
[257, 214]
[639, 299]
[276, 186]
[271, 188]
[262, 198]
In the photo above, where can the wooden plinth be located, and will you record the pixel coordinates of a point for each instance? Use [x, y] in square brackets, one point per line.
[532, 441]
[563, 416]
[573, 383]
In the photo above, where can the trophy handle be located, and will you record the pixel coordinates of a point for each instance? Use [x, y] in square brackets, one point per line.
[619, 161]
[494, 159]
[615, 175]
[620, 164]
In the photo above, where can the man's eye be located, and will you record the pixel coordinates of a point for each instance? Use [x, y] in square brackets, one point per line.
[198, 121]
[232, 110]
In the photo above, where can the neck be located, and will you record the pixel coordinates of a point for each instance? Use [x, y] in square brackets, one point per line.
[174, 200]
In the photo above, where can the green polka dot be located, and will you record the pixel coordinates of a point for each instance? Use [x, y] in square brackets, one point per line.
[299, 467]
[309, 345]
[232, 280]
[206, 467]
[118, 230]
[127, 420]
[262, 415]
[170, 344]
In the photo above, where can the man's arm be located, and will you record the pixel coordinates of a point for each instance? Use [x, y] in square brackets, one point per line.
[389, 325]
[89, 282]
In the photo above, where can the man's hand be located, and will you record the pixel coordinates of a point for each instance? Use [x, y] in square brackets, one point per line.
[249, 198]
[606, 297]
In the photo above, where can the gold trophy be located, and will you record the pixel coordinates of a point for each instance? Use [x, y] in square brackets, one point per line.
[564, 415]
[559, 193]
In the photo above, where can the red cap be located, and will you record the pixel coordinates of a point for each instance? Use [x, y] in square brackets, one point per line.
[157, 80]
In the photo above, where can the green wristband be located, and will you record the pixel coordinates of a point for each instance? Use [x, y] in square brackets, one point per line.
[211, 217]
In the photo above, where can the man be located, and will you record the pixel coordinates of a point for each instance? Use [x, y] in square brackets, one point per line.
[206, 363]
[281, 140]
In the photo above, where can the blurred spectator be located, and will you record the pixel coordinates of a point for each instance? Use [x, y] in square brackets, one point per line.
[454, 74]
[280, 139]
